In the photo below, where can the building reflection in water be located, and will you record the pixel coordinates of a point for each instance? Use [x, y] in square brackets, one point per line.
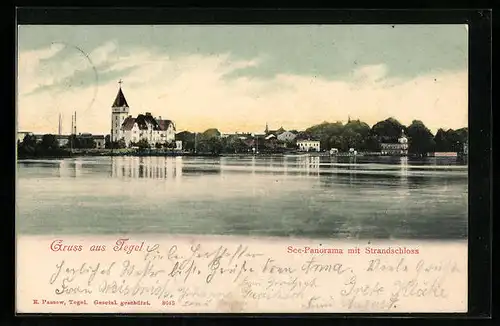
[403, 163]
[353, 173]
[70, 168]
[149, 167]
[308, 164]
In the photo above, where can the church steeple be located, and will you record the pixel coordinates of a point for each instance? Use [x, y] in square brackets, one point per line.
[267, 129]
[120, 100]
[119, 112]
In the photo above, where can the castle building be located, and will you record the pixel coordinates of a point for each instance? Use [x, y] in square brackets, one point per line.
[145, 126]
[131, 130]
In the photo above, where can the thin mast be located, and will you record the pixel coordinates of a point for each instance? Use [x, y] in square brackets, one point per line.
[59, 128]
[195, 141]
[71, 137]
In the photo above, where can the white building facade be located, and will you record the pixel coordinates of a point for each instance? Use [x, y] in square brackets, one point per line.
[143, 127]
[307, 145]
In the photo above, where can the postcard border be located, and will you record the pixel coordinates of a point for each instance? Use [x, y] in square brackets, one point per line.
[479, 22]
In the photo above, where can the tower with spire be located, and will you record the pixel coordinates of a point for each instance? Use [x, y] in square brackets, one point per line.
[119, 112]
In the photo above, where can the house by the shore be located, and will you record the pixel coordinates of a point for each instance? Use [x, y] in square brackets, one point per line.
[399, 148]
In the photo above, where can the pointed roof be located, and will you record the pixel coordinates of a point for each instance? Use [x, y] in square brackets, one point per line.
[120, 100]
[142, 121]
[128, 123]
[163, 124]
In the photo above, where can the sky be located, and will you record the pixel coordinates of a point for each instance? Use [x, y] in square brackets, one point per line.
[237, 78]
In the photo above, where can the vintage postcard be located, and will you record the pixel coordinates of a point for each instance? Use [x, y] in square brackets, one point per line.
[242, 169]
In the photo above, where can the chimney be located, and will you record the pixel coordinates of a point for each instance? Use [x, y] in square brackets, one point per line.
[148, 113]
[60, 125]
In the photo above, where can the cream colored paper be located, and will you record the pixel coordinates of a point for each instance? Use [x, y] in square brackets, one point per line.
[402, 71]
[199, 274]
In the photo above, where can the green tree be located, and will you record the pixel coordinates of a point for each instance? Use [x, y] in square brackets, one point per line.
[27, 147]
[187, 138]
[441, 141]
[49, 142]
[351, 139]
[86, 142]
[233, 144]
[463, 134]
[107, 141]
[463, 137]
[388, 130]
[48, 146]
[209, 141]
[210, 133]
[291, 144]
[359, 127]
[143, 144]
[455, 143]
[74, 142]
[210, 145]
[420, 139]
[371, 143]
[450, 140]
[338, 142]
[324, 132]
[121, 144]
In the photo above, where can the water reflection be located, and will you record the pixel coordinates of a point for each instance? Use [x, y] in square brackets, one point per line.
[355, 169]
[66, 168]
[147, 167]
[404, 169]
[281, 196]
[309, 165]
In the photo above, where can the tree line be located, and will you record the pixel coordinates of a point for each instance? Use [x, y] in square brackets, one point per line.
[359, 135]
[354, 134]
[49, 146]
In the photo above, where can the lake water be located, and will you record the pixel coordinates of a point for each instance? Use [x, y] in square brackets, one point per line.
[344, 198]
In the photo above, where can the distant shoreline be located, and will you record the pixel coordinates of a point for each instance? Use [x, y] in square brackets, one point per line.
[127, 152]
[152, 153]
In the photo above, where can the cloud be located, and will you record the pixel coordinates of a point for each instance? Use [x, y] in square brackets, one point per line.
[29, 67]
[370, 74]
[195, 91]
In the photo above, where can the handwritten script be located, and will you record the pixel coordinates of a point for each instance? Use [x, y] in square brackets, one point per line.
[239, 277]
